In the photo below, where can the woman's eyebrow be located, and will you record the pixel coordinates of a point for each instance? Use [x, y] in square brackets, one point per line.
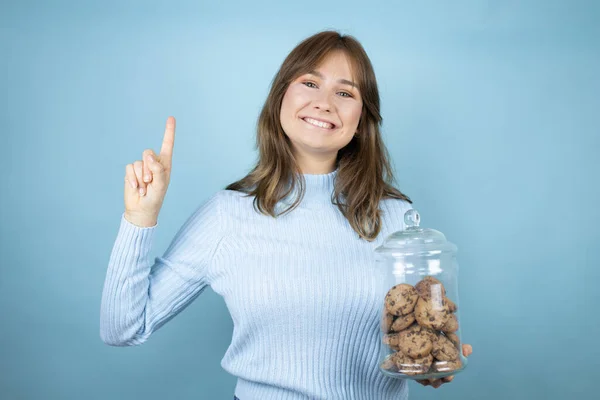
[344, 81]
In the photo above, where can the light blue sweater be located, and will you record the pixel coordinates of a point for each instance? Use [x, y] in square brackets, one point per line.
[302, 289]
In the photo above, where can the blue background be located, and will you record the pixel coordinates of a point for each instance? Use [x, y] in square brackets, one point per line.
[491, 116]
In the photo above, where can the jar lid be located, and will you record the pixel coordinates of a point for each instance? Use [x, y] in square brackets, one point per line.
[415, 239]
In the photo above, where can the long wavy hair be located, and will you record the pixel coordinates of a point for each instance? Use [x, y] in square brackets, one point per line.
[364, 174]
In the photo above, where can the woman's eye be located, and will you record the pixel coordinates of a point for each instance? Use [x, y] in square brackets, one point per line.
[309, 83]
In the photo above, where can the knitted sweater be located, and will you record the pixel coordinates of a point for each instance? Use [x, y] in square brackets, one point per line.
[302, 289]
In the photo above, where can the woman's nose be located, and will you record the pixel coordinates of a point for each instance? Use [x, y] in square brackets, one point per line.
[323, 102]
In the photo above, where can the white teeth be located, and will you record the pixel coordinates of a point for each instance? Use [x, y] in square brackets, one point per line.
[320, 124]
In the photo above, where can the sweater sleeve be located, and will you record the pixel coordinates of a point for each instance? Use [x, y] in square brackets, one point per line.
[140, 296]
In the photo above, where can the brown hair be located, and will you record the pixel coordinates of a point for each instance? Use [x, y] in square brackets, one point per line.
[363, 164]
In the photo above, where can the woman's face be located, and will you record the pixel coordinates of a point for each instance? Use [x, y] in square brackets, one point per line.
[320, 112]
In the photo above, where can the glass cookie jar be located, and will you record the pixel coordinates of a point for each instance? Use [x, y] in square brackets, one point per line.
[420, 325]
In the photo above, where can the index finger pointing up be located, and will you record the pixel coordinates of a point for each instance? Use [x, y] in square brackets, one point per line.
[166, 151]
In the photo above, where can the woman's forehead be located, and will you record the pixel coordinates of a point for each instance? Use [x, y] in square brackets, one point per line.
[335, 59]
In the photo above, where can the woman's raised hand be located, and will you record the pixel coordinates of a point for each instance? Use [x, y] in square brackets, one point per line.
[147, 180]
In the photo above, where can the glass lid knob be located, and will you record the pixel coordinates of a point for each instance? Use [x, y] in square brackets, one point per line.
[412, 218]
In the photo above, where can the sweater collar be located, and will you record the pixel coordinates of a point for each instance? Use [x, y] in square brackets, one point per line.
[318, 188]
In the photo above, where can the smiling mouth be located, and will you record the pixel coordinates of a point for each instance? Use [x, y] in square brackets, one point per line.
[318, 124]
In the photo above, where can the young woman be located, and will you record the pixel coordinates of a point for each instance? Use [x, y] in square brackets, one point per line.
[289, 246]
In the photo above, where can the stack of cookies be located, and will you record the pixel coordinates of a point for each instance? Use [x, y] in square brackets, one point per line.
[419, 325]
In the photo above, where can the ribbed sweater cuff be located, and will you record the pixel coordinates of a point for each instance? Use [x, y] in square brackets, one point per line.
[137, 238]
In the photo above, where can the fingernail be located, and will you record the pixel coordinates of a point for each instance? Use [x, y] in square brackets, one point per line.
[150, 158]
[142, 191]
[147, 178]
[133, 184]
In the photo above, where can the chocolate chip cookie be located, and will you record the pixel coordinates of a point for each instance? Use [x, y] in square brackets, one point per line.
[451, 325]
[443, 349]
[446, 366]
[430, 286]
[413, 366]
[403, 322]
[401, 299]
[392, 340]
[414, 342]
[389, 364]
[453, 338]
[386, 321]
[451, 306]
[432, 313]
